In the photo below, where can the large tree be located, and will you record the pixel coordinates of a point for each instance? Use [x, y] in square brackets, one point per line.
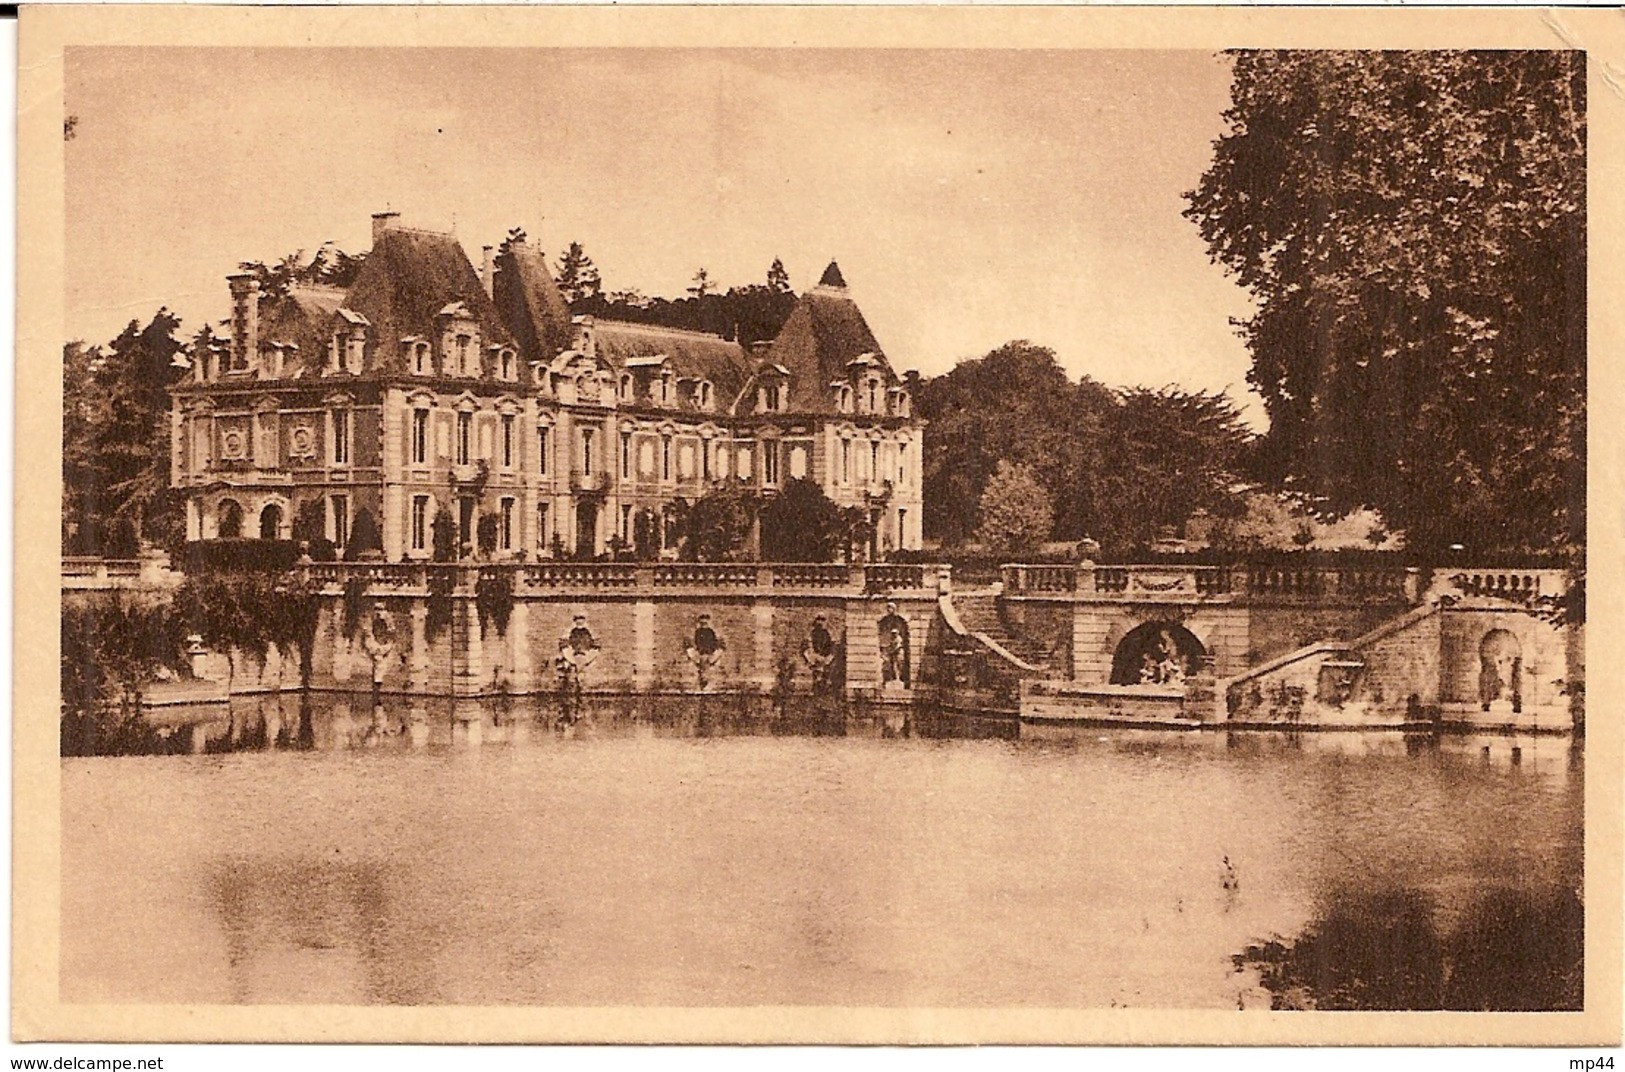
[716, 526]
[1016, 404]
[116, 438]
[1015, 513]
[1169, 454]
[802, 524]
[577, 276]
[1117, 465]
[1411, 226]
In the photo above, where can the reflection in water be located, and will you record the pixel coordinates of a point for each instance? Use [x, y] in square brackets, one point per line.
[313, 930]
[1513, 950]
[725, 850]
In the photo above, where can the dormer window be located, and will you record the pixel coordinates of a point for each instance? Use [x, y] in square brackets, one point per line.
[665, 388]
[418, 355]
[903, 404]
[463, 347]
[874, 390]
[626, 387]
[846, 399]
[705, 394]
[507, 364]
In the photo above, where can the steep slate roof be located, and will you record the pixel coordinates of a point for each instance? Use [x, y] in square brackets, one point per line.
[692, 353]
[530, 304]
[408, 278]
[832, 277]
[303, 317]
[824, 331]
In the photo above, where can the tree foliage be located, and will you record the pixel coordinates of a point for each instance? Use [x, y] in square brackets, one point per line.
[577, 277]
[745, 314]
[1411, 227]
[1015, 512]
[778, 278]
[116, 439]
[716, 527]
[802, 524]
[1117, 465]
[329, 266]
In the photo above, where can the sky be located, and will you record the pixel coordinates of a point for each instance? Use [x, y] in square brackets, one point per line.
[971, 197]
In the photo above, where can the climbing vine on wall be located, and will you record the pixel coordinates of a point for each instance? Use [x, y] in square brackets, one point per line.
[355, 605]
[441, 584]
[493, 597]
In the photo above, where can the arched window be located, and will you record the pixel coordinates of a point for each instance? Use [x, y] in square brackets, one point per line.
[271, 522]
[229, 519]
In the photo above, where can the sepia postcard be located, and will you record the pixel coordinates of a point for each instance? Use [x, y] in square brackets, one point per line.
[908, 525]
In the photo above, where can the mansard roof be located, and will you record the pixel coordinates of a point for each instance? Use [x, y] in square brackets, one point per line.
[824, 332]
[692, 353]
[408, 281]
[303, 318]
[529, 302]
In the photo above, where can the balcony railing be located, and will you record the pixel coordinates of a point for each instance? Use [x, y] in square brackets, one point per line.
[883, 577]
[811, 576]
[581, 575]
[1519, 586]
[705, 575]
[1028, 580]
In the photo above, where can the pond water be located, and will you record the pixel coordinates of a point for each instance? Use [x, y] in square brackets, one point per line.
[708, 851]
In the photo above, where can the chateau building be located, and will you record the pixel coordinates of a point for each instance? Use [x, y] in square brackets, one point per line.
[431, 389]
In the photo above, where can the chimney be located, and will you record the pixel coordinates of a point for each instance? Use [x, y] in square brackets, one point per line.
[381, 222]
[245, 321]
[486, 270]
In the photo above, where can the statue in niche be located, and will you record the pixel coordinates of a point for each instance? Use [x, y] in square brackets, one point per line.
[379, 644]
[894, 649]
[1162, 664]
[818, 652]
[578, 647]
[704, 651]
[1500, 670]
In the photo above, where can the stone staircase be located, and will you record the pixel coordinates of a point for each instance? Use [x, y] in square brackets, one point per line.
[978, 616]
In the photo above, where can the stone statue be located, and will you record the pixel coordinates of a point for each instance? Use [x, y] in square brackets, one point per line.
[818, 652]
[894, 649]
[379, 644]
[704, 651]
[578, 647]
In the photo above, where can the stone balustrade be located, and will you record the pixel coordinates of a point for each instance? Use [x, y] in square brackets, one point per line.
[1519, 586]
[543, 578]
[706, 575]
[1178, 582]
[89, 573]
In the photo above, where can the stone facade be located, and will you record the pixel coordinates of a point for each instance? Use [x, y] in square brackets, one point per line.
[431, 390]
